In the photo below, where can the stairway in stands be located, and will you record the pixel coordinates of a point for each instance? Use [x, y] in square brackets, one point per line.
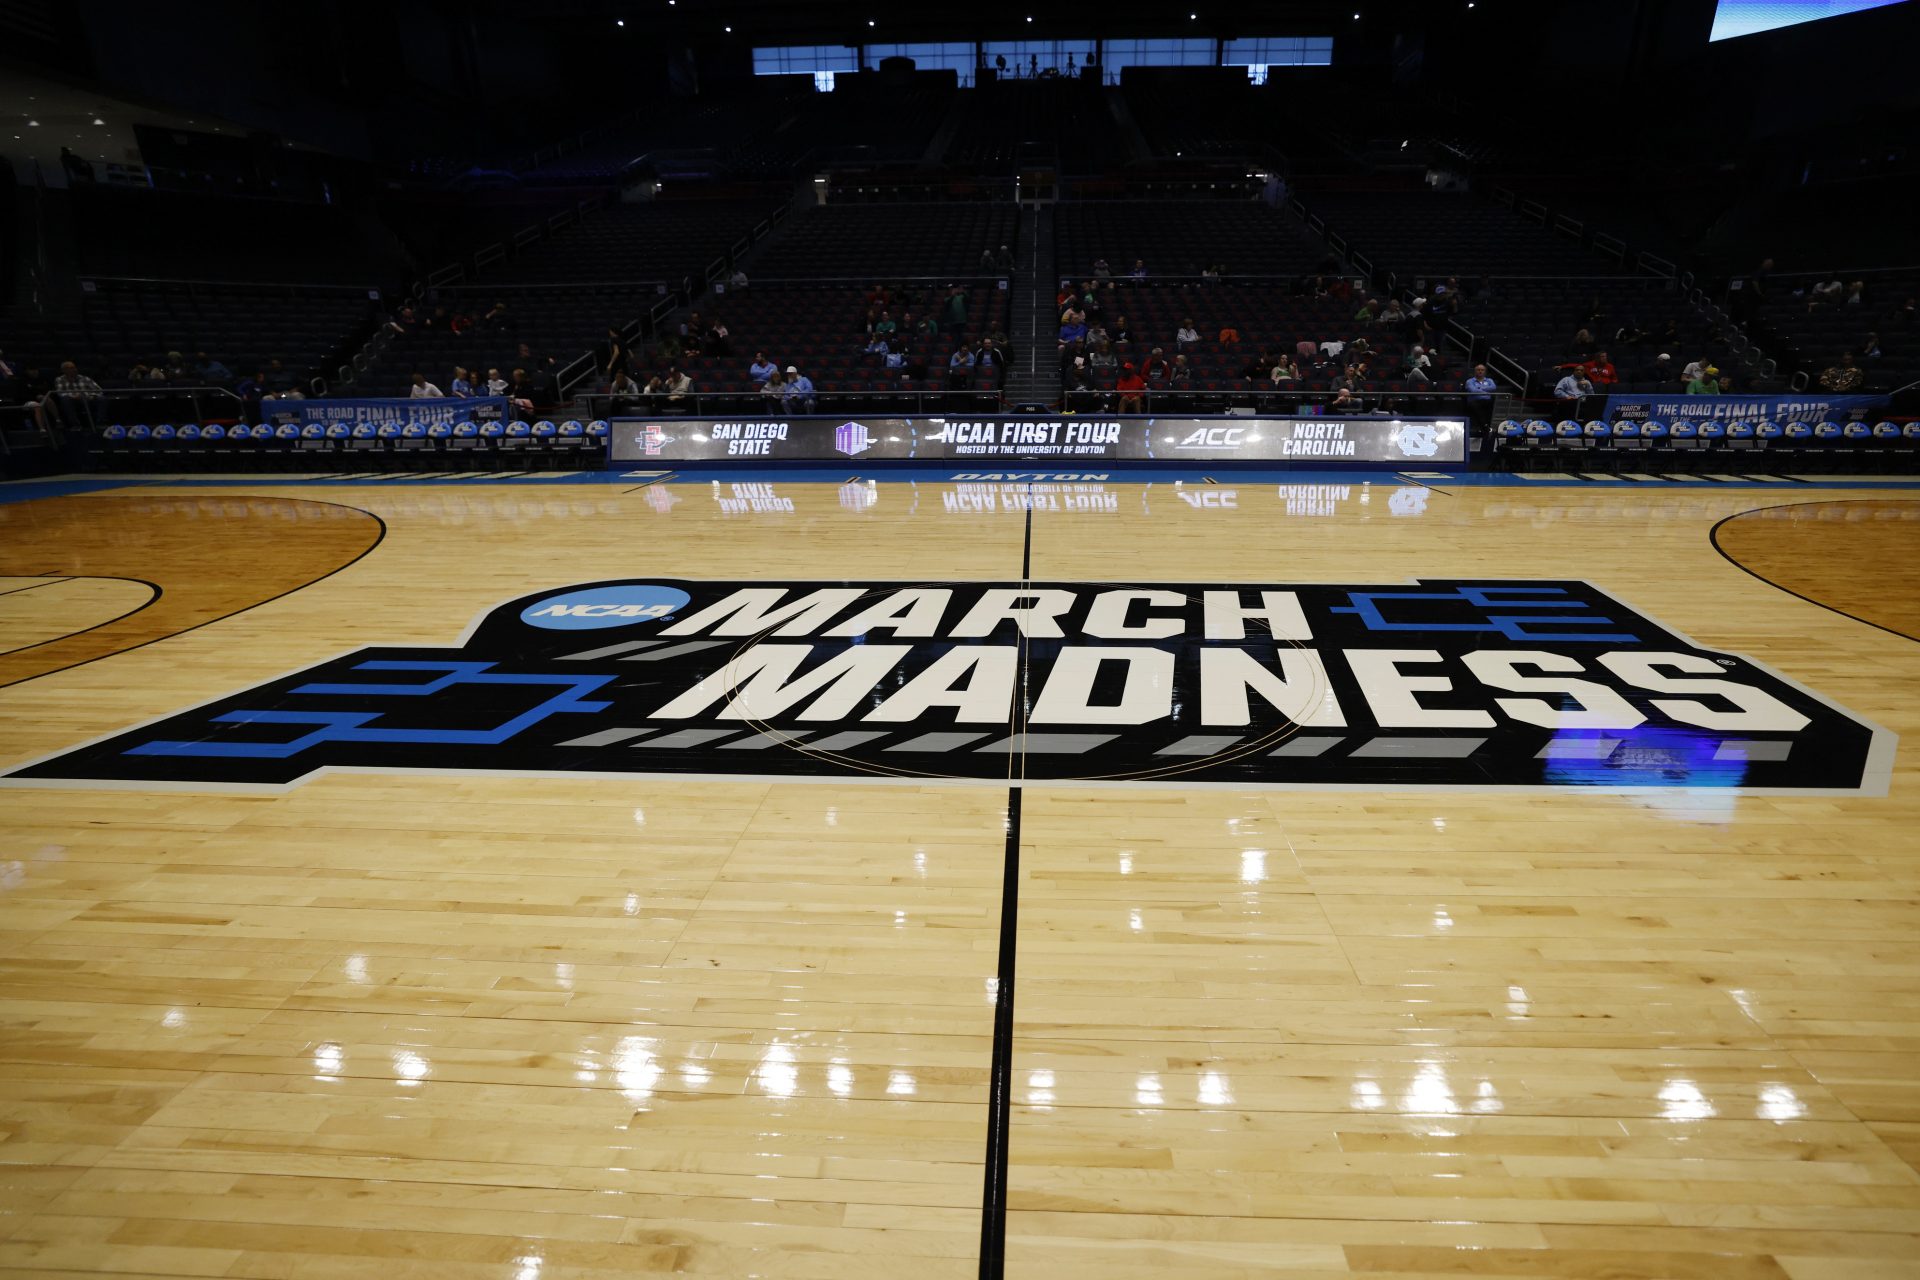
[1035, 376]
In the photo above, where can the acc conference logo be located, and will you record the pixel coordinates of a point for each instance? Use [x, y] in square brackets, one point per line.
[1453, 683]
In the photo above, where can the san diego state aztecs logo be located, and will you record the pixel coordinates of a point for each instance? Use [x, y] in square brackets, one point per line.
[1439, 683]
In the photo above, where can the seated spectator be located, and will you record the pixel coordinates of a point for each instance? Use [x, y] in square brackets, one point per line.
[1257, 367]
[1844, 376]
[1856, 294]
[896, 355]
[1414, 365]
[1344, 401]
[75, 388]
[1132, 388]
[962, 358]
[797, 396]
[253, 392]
[1077, 377]
[1139, 271]
[1004, 259]
[878, 345]
[1582, 343]
[1186, 335]
[679, 385]
[655, 388]
[762, 370]
[1629, 333]
[402, 322]
[459, 322]
[1600, 369]
[1824, 295]
[990, 357]
[1101, 271]
[773, 390]
[520, 393]
[1572, 388]
[1097, 333]
[1393, 313]
[1073, 328]
[1695, 370]
[209, 370]
[1725, 386]
[1870, 348]
[737, 281]
[1360, 347]
[1180, 376]
[497, 319]
[422, 389]
[1661, 370]
[1155, 368]
[623, 384]
[1101, 355]
[1284, 370]
[986, 259]
[1120, 334]
[461, 384]
[719, 339]
[1703, 384]
[885, 324]
[495, 384]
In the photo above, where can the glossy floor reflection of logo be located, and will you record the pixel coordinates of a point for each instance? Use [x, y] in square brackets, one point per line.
[1483, 683]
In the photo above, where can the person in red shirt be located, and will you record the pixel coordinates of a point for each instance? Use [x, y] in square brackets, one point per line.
[1132, 387]
[1600, 370]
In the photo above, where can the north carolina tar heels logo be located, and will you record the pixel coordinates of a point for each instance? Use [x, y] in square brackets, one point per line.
[852, 438]
[1416, 439]
[1457, 683]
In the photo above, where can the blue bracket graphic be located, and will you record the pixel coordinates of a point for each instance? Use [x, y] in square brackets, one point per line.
[347, 726]
[1498, 605]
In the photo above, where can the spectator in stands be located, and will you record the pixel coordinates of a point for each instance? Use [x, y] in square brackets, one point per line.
[1870, 349]
[1210, 274]
[1101, 271]
[773, 391]
[1344, 401]
[252, 392]
[1695, 370]
[460, 384]
[895, 356]
[613, 352]
[878, 345]
[990, 358]
[1661, 370]
[623, 384]
[1824, 295]
[523, 355]
[1725, 386]
[1139, 271]
[1101, 356]
[679, 386]
[459, 323]
[1120, 333]
[655, 388]
[762, 369]
[1155, 368]
[1600, 369]
[885, 325]
[75, 391]
[1394, 314]
[1073, 326]
[1844, 376]
[956, 313]
[960, 368]
[1702, 383]
[402, 322]
[1367, 313]
[1004, 260]
[1285, 369]
[422, 389]
[520, 392]
[1076, 377]
[1257, 367]
[1180, 375]
[291, 393]
[797, 395]
[719, 340]
[495, 384]
[1856, 294]
[1097, 333]
[546, 382]
[1480, 389]
[737, 281]
[1573, 388]
[1132, 388]
[1414, 365]
[986, 259]
[210, 371]
[1186, 335]
[1582, 344]
[1629, 333]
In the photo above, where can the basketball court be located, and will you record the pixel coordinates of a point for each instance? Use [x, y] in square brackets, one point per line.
[735, 989]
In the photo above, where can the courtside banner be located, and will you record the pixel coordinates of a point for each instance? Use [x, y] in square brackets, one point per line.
[442, 409]
[1780, 409]
[1369, 441]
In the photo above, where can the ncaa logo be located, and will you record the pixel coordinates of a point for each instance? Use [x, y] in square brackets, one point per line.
[604, 607]
[1416, 439]
[852, 438]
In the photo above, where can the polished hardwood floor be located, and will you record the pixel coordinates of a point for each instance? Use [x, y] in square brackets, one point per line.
[542, 1026]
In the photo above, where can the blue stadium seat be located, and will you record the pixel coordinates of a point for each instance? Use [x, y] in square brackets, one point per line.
[1857, 431]
[1713, 429]
[1740, 430]
[1512, 429]
[441, 431]
[1827, 431]
[1911, 431]
[544, 431]
[139, 433]
[518, 434]
[1770, 431]
[1598, 430]
[1683, 429]
[1800, 431]
[164, 433]
[340, 432]
[1567, 429]
[1886, 431]
[493, 432]
[114, 433]
[390, 431]
[1539, 429]
[1626, 430]
[213, 431]
[1654, 429]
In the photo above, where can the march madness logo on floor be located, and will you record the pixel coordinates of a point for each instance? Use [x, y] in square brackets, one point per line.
[1441, 683]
